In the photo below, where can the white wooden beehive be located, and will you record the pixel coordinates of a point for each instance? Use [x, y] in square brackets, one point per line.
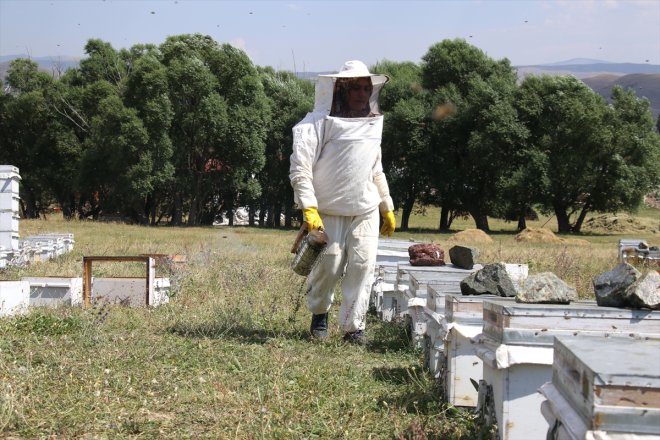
[516, 348]
[14, 297]
[54, 291]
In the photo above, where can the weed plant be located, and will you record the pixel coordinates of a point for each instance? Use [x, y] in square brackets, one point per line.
[229, 356]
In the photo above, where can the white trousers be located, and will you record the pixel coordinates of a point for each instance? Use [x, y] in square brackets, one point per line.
[351, 252]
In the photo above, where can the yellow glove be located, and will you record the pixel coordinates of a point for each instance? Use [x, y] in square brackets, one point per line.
[313, 218]
[389, 224]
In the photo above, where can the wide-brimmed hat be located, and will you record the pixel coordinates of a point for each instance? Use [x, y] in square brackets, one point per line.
[357, 69]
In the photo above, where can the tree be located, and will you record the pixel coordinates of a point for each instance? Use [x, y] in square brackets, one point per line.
[30, 133]
[405, 143]
[112, 162]
[591, 156]
[474, 146]
[289, 99]
[628, 164]
[152, 170]
[218, 128]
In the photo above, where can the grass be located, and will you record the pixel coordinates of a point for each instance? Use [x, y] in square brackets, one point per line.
[229, 357]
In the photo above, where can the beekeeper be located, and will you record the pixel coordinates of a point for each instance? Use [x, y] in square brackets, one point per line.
[338, 181]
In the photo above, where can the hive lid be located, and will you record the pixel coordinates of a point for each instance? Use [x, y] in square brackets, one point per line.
[537, 324]
[614, 385]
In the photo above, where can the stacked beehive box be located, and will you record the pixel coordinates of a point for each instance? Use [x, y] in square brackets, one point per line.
[14, 297]
[516, 348]
[390, 254]
[415, 302]
[54, 291]
[603, 389]
[9, 200]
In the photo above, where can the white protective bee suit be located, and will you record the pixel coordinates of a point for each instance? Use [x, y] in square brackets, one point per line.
[336, 167]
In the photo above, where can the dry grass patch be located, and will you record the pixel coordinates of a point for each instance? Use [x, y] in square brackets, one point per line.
[620, 223]
[537, 235]
[470, 236]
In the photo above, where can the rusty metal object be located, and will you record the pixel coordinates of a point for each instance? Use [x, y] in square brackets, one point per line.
[307, 247]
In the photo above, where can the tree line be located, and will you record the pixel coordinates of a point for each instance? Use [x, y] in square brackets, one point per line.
[188, 131]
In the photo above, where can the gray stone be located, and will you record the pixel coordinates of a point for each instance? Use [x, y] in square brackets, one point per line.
[610, 287]
[545, 288]
[463, 256]
[492, 279]
[645, 292]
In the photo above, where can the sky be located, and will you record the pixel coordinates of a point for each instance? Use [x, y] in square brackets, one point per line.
[318, 36]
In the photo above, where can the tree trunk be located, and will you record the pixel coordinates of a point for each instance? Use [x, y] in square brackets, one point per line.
[445, 224]
[277, 214]
[269, 216]
[407, 208]
[522, 222]
[29, 204]
[251, 213]
[405, 218]
[287, 216]
[480, 220]
[177, 210]
[563, 223]
[262, 214]
[192, 214]
[577, 227]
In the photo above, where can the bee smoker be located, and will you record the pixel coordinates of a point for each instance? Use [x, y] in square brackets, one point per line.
[309, 245]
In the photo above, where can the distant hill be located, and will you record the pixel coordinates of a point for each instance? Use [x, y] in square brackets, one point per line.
[646, 85]
[602, 76]
[588, 70]
[54, 65]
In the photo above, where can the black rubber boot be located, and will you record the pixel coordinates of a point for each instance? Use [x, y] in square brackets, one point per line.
[357, 337]
[319, 327]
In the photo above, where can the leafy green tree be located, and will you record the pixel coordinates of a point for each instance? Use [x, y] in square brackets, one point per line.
[473, 146]
[103, 63]
[29, 134]
[152, 170]
[218, 129]
[628, 163]
[591, 157]
[289, 99]
[405, 142]
[111, 162]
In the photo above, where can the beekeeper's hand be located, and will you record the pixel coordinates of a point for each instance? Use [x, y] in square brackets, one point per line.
[389, 224]
[313, 218]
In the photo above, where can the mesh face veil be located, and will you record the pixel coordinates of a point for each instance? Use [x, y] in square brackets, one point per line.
[352, 98]
[352, 92]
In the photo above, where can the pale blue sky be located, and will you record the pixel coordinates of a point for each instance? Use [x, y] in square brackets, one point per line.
[321, 35]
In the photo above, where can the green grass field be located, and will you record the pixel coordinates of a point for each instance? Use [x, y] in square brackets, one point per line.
[229, 356]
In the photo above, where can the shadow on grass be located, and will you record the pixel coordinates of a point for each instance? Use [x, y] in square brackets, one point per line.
[245, 333]
[415, 391]
[394, 376]
[388, 336]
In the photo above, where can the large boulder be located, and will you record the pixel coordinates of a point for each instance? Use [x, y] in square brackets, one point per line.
[610, 287]
[492, 279]
[645, 292]
[463, 256]
[545, 288]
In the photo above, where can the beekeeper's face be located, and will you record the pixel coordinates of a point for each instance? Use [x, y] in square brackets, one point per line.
[358, 94]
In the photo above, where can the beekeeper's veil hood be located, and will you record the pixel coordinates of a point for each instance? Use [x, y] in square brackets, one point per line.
[327, 86]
